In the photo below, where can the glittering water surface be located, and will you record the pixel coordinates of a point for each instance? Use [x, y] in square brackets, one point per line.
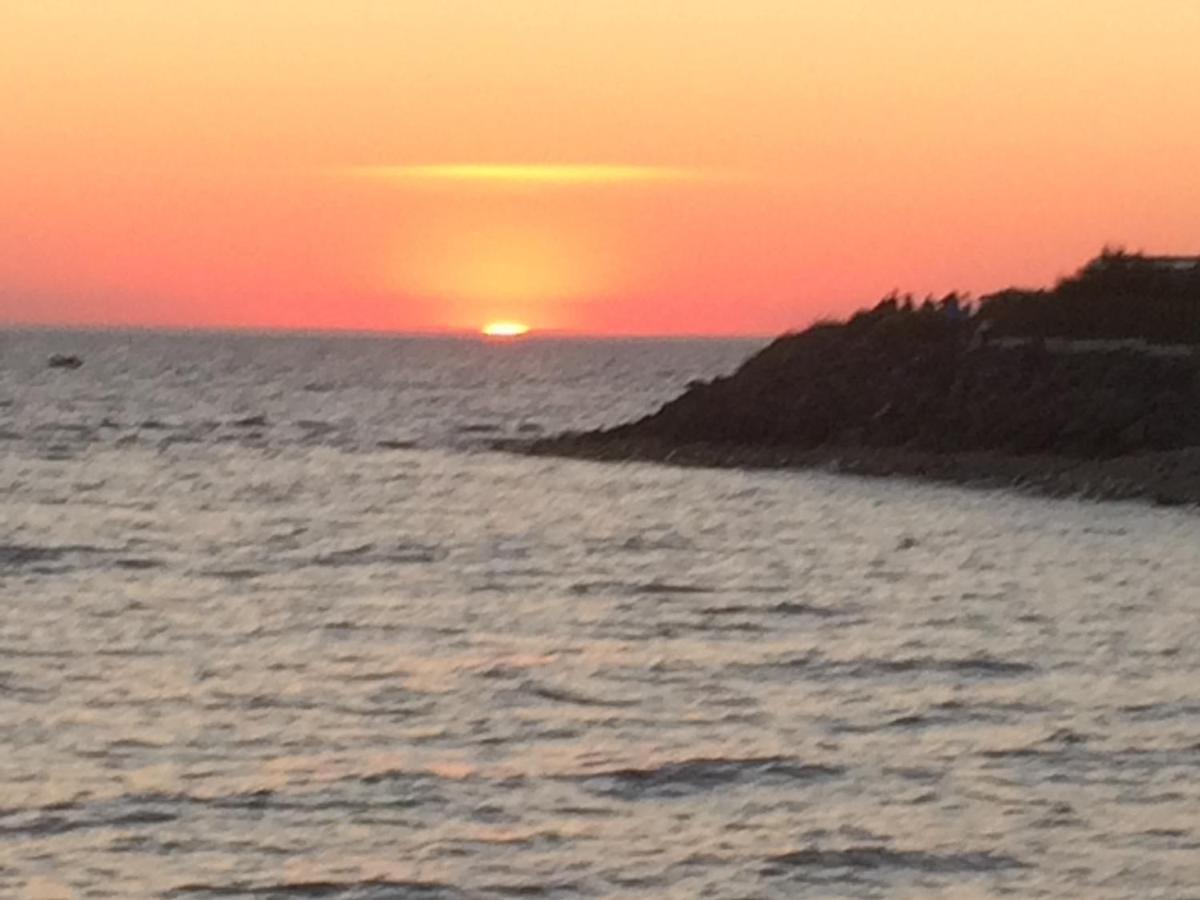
[274, 625]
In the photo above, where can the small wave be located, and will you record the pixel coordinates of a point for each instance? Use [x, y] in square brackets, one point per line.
[1053, 744]
[255, 421]
[337, 625]
[869, 667]
[686, 776]
[1066, 736]
[230, 700]
[55, 807]
[971, 665]
[172, 440]
[7, 685]
[666, 587]
[881, 857]
[735, 625]
[27, 554]
[640, 543]
[1059, 815]
[384, 776]
[915, 720]
[252, 799]
[625, 588]
[234, 574]
[1149, 712]
[58, 453]
[135, 651]
[912, 720]
[51, 824]
[36, 653]
[137, 564]
[14, 556]
[408, 708]
[777, 609]
[369, 554]
[370, 889]
[561, 695]
[532, 890]
[60, 427]
[1016, 753]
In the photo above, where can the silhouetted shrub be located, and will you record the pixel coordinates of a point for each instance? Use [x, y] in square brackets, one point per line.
[1116, 296]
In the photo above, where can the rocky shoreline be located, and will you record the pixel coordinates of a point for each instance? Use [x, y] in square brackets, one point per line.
[1090, 389]
[1166, 478]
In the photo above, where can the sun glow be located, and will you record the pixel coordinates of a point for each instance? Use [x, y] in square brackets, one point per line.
[505, 329]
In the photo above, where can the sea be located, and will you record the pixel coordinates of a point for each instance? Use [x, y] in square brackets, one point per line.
[278, 622]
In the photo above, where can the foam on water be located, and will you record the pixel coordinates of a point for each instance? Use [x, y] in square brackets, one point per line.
[275, 624]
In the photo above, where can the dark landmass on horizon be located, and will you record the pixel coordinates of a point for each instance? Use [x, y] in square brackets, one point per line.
[1090, 388]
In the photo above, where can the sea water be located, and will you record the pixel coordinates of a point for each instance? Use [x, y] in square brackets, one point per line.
[276, 623]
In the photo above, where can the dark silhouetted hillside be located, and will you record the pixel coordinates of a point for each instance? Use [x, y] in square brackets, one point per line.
[1063, 373]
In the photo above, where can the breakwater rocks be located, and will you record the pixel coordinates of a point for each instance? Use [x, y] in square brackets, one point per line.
[924, 393]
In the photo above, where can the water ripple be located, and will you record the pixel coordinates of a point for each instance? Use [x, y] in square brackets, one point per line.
[681, 777]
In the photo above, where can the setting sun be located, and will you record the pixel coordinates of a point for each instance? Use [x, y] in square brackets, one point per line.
[505, 329]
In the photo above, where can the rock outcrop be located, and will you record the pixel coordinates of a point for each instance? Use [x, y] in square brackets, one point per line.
[931, 391]
[918, 381]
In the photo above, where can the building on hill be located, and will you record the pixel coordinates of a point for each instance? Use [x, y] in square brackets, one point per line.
[1110, 260]
[1173, 263]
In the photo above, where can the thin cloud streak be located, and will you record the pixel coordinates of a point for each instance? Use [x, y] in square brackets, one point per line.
[529, 173]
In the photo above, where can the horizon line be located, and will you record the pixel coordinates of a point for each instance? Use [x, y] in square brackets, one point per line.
[534, 334]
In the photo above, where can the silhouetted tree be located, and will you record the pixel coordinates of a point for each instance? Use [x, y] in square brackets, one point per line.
[1117, 295]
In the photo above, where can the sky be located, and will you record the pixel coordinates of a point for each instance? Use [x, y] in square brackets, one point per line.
[592, 166]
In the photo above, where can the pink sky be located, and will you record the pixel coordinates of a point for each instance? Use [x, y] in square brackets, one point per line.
[602, 166]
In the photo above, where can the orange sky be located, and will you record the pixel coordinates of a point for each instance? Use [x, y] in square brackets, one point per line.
[629, 166]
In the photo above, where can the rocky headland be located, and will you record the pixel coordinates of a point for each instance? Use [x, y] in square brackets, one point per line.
[1077, 390]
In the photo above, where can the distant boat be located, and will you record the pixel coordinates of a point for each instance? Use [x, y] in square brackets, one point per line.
[64, 361]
